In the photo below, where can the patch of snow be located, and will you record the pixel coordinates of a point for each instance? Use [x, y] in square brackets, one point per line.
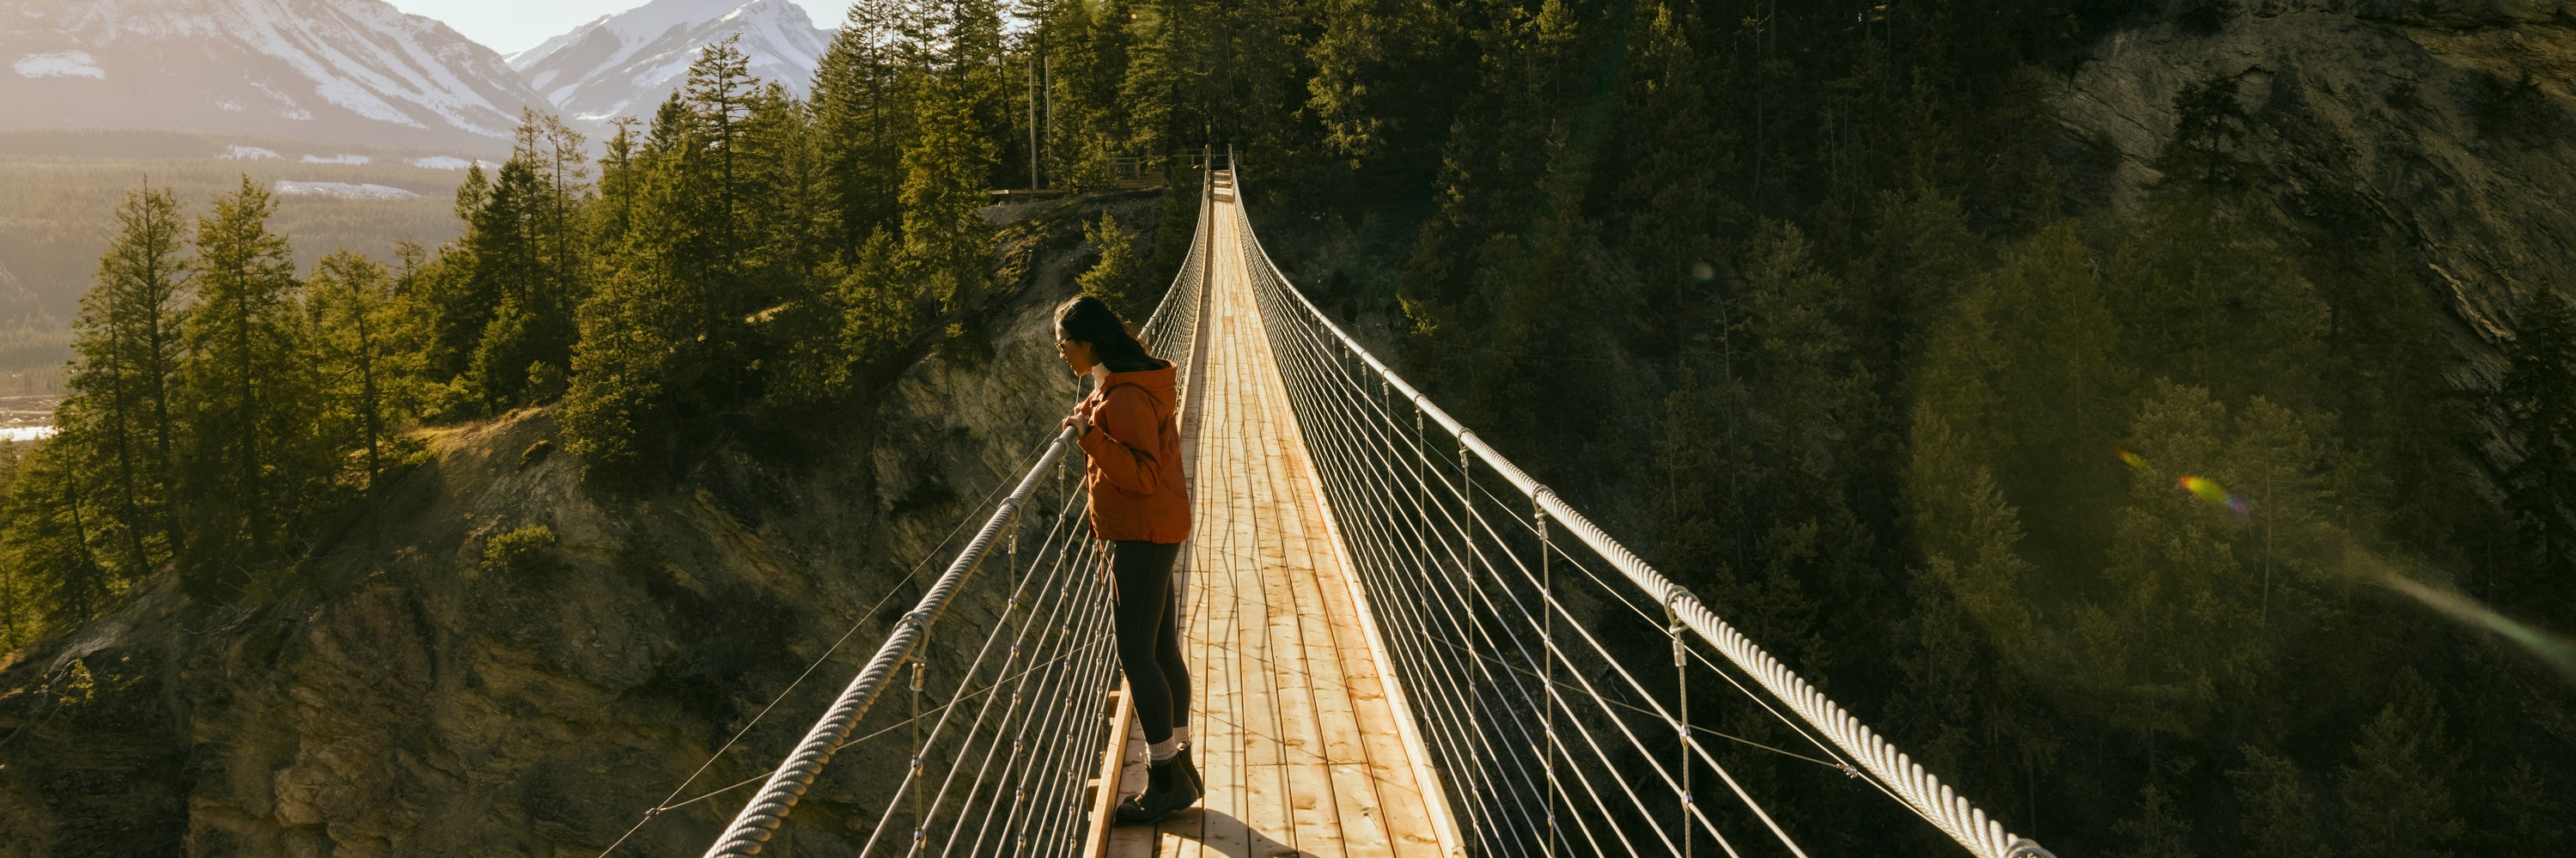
[639, 56]
[337, 159]
[342, 190]
[251, 153]
[59, 64]
[229, 104]
[26, 433]
[443, 162]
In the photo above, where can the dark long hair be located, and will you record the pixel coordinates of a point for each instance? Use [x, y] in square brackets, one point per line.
[1085, 319]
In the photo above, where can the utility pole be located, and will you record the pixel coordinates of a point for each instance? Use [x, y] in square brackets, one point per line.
[1033, 123]
[1047, 90]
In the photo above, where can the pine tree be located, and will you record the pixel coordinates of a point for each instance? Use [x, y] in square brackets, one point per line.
[2397, 791]
[863, 104]
[2538, 398]
[2157, 832]
[118, 412]
[49, 539]
[509, 271]
[943, 186]
[666, 338]
[527, 265]
[363, 357]
[2279, 811]
[1150, 94]
[17, 623]
[719, 94]
[880, 303]
[249, 391]
[787, 288]
[1087, 45]
[1114, 277]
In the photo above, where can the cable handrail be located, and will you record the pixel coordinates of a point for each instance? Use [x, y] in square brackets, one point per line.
[1917, 788]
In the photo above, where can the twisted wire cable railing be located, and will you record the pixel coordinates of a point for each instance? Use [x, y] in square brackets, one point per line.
[1545, 731]
[1025, 794]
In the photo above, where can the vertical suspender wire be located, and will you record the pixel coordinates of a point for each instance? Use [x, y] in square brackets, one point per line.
[1635, 742]
[1008, 715]
[1028, 620]
[1018, 640]
[1681, 724]
[923, 809]
[1547, 650]
[1406, 600]
[759, 819]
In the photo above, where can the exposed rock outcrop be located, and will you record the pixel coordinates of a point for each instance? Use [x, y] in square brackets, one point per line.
[2407, 117]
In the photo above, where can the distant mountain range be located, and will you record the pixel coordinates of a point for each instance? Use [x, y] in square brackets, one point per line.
[624, 64]
[359, 71]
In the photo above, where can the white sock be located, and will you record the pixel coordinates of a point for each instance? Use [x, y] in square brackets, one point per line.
[1163, 750]
[1181, 735]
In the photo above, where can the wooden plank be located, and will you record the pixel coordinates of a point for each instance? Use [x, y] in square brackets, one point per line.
[1351, 798]
[1096, 841]
[1267, 787]
[1306, 678]
[1395, 763]
[1227, 772]
[1413, 801]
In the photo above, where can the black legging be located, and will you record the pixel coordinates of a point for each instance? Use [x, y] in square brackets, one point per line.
[1149, 635]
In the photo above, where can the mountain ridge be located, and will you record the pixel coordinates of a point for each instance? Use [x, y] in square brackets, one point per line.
[355, 71]
[623, 64]
[361, 71]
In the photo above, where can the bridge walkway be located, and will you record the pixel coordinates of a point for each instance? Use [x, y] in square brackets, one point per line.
[1295, 734]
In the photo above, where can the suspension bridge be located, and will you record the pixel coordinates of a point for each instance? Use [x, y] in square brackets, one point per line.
[1402, 645]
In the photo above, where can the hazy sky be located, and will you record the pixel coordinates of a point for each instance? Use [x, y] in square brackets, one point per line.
[510, 26]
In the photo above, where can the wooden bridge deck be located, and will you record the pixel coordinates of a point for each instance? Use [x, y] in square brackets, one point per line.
[1304, 749]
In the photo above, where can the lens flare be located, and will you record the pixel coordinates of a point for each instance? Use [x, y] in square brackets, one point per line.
[2209, 490]
[2558, 653]
[1703, 272]
[2134, 461]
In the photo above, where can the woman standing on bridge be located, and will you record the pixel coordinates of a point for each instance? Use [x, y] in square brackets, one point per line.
[1140, 505]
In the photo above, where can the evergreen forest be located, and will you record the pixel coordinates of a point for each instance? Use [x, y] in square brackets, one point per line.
[2166, 531]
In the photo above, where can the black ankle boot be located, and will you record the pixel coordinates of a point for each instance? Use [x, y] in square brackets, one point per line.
[1181, 762]
[1166, 790]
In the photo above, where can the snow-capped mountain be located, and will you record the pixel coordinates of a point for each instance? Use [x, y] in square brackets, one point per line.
[627, 63]
[357, 71]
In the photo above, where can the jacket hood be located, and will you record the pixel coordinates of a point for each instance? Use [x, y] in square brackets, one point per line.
[1160, 383]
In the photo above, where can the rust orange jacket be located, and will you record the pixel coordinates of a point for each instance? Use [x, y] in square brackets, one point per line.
[1133, 458]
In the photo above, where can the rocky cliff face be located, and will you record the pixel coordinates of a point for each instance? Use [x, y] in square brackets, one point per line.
[2443, 125]
[395, 697]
